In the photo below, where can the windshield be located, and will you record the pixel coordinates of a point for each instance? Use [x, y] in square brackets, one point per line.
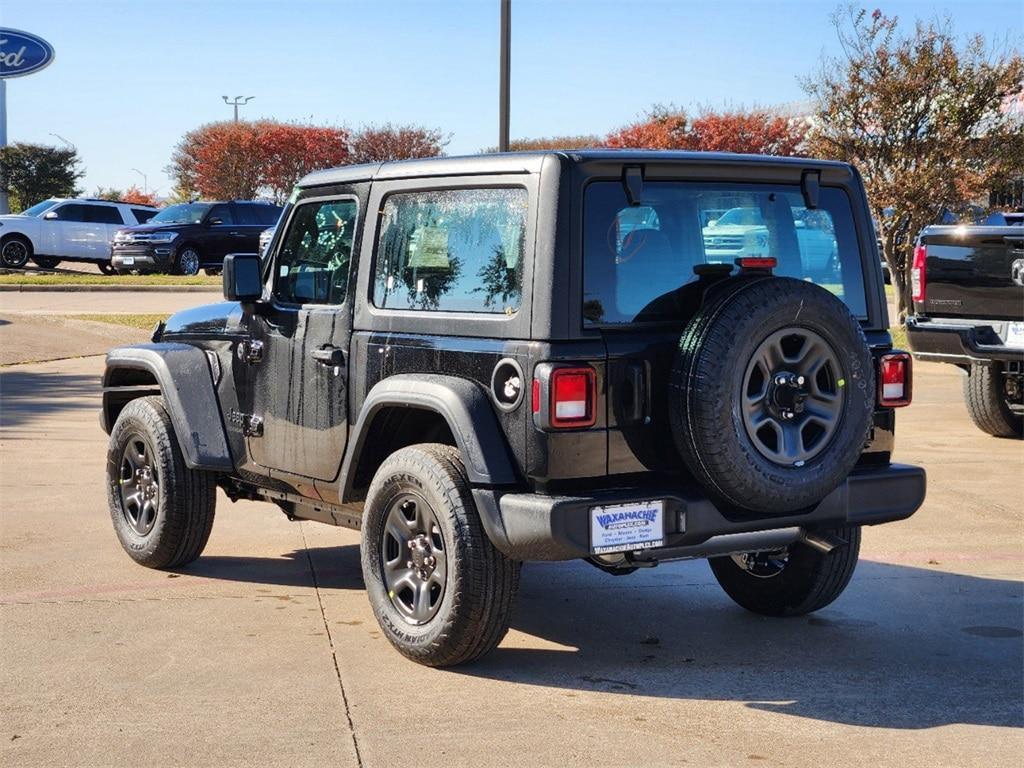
[645, 263]
[185, 213]
[40, 208]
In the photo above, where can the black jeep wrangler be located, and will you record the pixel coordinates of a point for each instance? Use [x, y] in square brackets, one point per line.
[485, 360]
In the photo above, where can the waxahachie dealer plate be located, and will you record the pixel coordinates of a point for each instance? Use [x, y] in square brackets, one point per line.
[627, 527]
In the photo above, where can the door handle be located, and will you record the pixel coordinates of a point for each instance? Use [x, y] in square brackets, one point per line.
[330, 356]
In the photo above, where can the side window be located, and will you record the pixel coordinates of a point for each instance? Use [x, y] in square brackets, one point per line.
[70, 212]
[313, 260]
[248, 214]
[103, 214]
[142, 215]
[222, 212]
[269, 214]
[455, 250]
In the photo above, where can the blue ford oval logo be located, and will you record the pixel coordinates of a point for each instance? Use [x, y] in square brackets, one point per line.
[22, 53]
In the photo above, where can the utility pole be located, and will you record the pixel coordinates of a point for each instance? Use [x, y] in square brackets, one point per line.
[239, 100]
[145, 183]
[505, 66]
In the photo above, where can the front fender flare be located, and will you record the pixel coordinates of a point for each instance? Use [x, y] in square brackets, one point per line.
[461, 403]
[186, 384]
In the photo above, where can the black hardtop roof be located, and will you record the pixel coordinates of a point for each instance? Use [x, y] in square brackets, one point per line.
[530, 162]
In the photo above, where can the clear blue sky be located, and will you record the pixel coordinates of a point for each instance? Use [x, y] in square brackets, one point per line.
[130, 78]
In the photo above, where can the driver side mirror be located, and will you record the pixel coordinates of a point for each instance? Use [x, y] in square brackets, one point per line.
[243, 277]
[50, 215]
[712, 223]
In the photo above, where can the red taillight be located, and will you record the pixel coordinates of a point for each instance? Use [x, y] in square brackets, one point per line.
[572, 397]
[757, 262]
[918, 280]
[535, 396]
[895, 377]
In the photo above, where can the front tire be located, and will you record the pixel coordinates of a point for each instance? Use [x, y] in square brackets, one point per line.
[187, 262]
[799, 580]
[441, 592]
[162, 511]
[987, 402]
[15, 251]
[108, 269]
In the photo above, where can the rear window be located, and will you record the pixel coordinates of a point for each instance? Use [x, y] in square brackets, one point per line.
[455, 250]
[103, 214]
[640, 260]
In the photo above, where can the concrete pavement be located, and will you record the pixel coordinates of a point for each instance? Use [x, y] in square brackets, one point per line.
[265, 652]
[102, 302]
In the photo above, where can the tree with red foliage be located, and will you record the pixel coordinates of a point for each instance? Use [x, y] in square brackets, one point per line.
[756, 132]
[136, 196]
[237, 161]
[375, 144]
[287, 152]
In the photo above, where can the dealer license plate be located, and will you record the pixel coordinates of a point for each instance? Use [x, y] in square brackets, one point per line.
[1015, 334]
[627, 527]
[127, 260]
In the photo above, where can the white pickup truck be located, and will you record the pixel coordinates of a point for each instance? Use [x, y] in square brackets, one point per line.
[59, 230]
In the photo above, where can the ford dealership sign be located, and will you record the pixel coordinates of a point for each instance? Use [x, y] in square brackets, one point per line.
[22, 53]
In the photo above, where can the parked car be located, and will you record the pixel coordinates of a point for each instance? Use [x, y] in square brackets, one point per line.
[968, 297]
[742, 232]
[184, 238]
[464, 359]
[63, 229]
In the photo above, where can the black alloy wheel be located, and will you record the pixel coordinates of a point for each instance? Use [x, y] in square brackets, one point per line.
[793, 396]
[413, 558]
[14, 254]
[140, 485]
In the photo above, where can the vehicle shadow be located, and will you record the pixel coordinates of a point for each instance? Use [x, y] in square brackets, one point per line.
[903, 647]
[27, 395]
[333, 568]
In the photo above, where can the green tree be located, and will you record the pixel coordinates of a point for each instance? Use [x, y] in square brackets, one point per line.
[925, 119]
[108, 193]
[33, 172]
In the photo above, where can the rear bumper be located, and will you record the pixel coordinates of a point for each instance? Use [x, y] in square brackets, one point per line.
[528, 526]
[960, 341]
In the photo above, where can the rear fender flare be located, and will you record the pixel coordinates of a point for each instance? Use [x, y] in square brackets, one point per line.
[465, 407]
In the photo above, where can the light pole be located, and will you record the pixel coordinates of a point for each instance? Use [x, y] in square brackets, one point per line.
[239, 100]
[58, 136]
[145, 183]
[505, 57]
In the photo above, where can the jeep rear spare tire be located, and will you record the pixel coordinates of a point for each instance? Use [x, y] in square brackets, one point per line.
[772, 394]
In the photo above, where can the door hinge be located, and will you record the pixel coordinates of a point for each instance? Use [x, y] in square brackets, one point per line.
[251, 426]
[250, 351]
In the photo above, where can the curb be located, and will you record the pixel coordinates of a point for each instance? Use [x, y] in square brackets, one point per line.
[108, 288]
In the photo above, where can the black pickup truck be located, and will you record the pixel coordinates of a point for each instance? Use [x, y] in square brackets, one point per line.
[968, 292]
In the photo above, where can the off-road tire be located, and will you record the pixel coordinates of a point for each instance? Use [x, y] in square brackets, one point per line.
[186, 497]
[809, 581]
[986, 402]
[706, 393]
[13, 257]
[46, 262]
[481, 583]
[106, 268]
